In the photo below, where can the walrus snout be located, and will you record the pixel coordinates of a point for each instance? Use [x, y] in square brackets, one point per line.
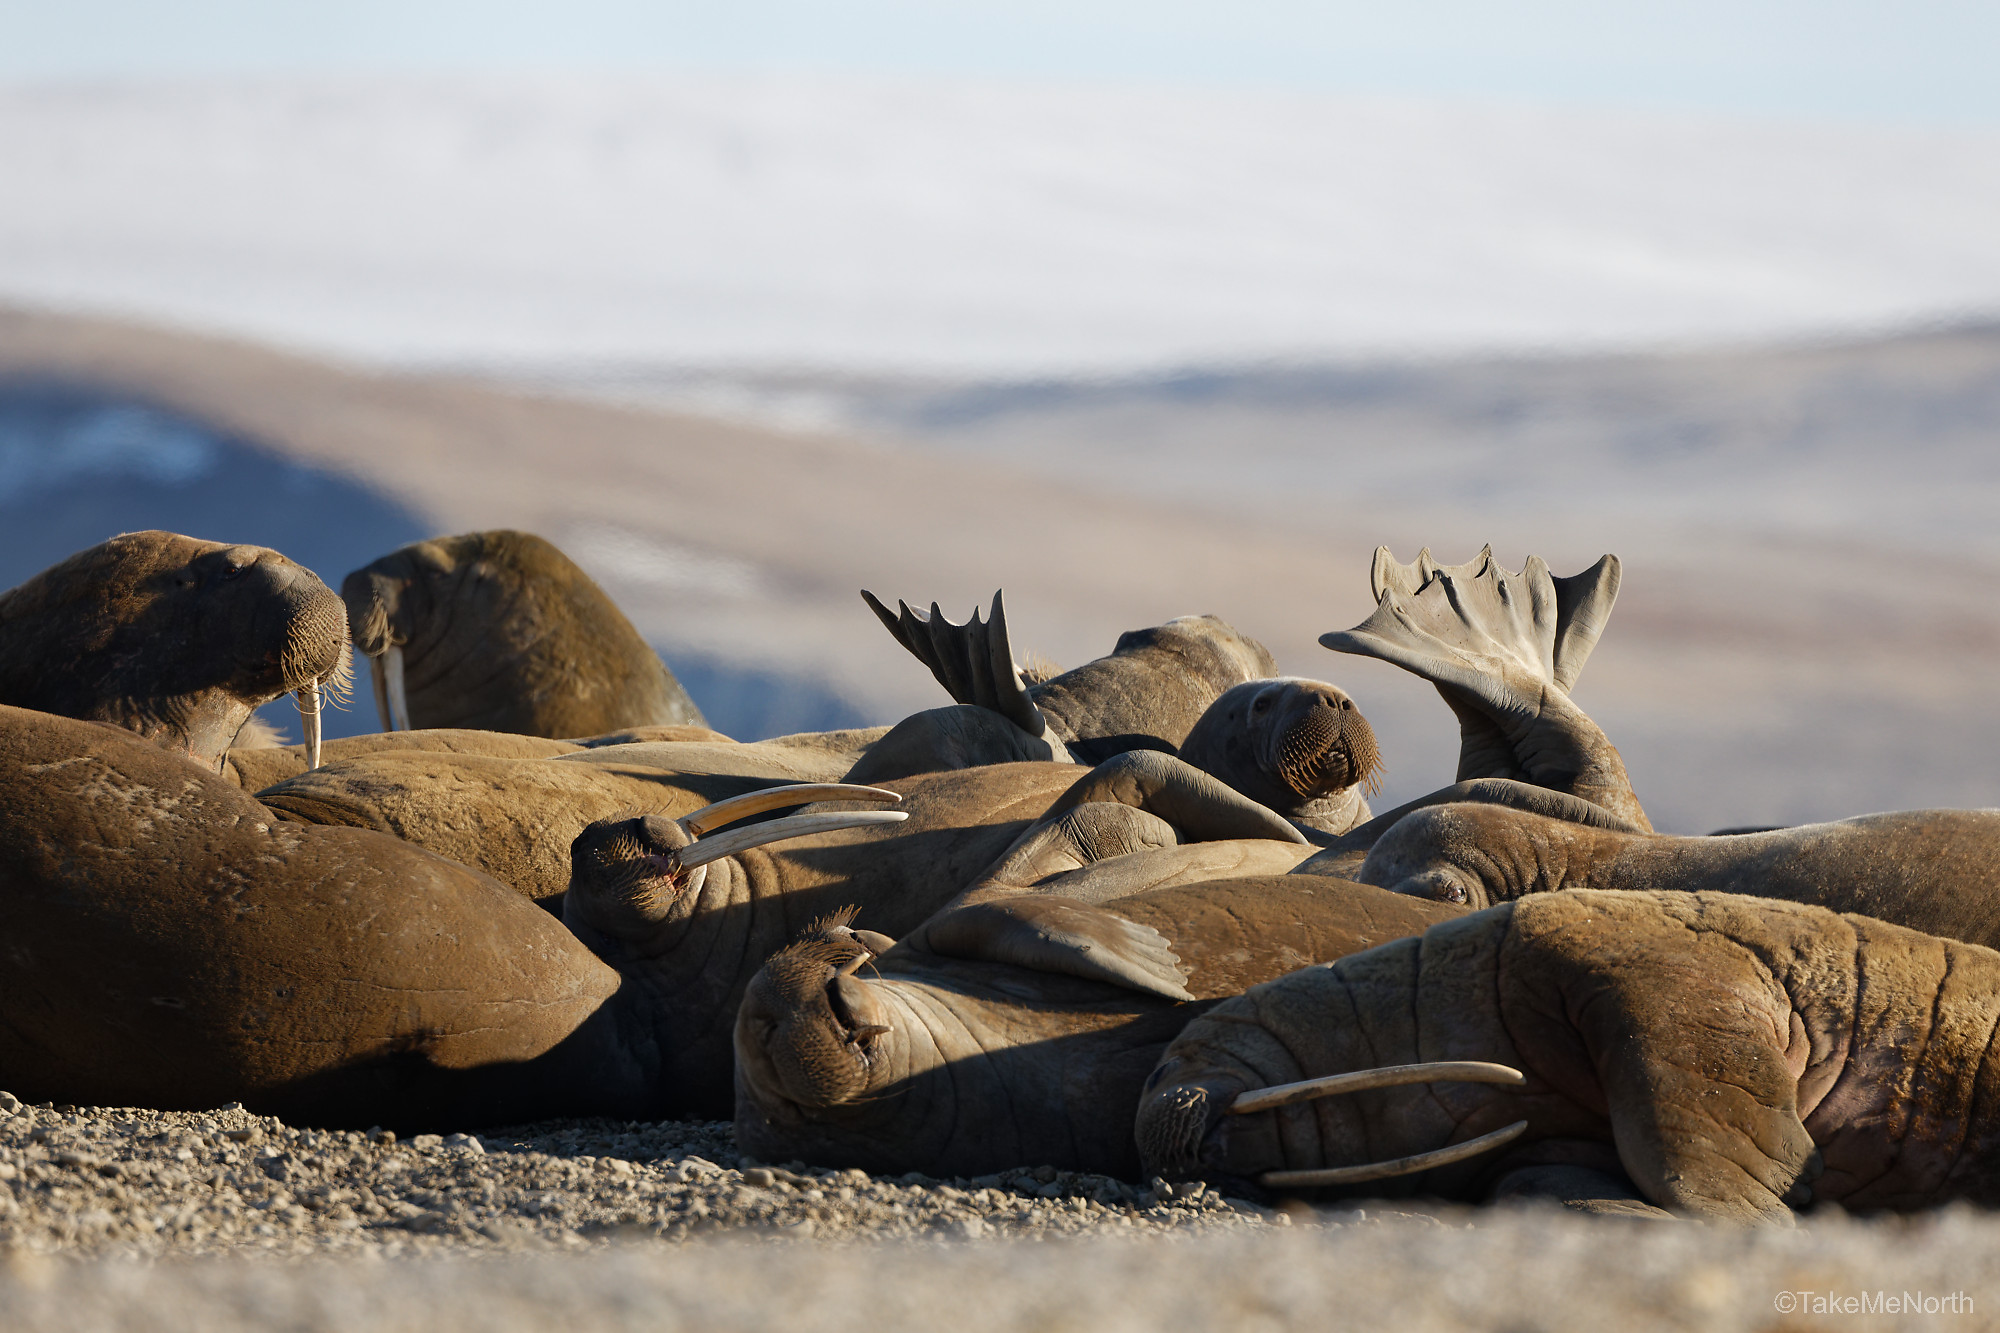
[626, 875]
[1328, 745]
[807, 1033]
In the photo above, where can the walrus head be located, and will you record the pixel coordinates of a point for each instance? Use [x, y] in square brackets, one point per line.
[1300, 747]
[809, 1032]
[174, 638]
[500, 631]
[637, 878]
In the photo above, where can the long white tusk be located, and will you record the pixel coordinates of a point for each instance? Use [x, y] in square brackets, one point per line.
[1400, 1166]
[399, 702]
[791, 826]
[307, 698]
[1361, 1080]
[712, 817]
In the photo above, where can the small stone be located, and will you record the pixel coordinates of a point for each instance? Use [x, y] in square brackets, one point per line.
[249, 1135]
[426, 1142]
[9, 1104]
[618, 1166]
[468, 1142]
[231, 1106]
[967, 1228]
[1045, 1174]
[382, 1138]
[760, 1177]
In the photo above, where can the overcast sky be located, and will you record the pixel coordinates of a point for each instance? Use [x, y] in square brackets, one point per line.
[1917, 61]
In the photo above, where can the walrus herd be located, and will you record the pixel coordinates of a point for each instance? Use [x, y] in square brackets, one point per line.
[1135, 918]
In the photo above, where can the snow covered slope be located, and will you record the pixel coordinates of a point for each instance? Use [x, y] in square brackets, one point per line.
[975, 228]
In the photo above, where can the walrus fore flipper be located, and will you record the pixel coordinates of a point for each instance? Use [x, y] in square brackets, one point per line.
[973, 661]
[1047, 934]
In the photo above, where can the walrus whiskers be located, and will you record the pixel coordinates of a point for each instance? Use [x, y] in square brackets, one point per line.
[392, 675]
[791, 826]
[1361, 1080]
[712, 817]
[1399, 1166]
[308, 699]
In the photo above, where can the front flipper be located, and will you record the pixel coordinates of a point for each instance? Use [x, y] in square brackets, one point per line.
[973, 661]
[1056, 935]
[1503, 649]
[1201, 806]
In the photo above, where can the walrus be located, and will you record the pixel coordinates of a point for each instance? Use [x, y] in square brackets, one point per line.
[171, 944]
[177, 639]
[500, 631]
[1937, 871]
[1300, 747]
[906, 1062]
[695, 943]
[1727, 1056]
[1146, 694]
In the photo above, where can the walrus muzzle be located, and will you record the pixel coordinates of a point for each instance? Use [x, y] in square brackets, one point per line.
[1329, 749]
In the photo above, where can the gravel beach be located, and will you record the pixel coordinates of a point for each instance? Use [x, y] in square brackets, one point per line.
[115, 1219]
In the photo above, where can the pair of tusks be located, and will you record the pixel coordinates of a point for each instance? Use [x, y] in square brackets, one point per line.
[1393, 1076]
[710, 846]
[307, 697]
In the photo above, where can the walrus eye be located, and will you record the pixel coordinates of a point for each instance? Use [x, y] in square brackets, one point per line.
[1261, 706]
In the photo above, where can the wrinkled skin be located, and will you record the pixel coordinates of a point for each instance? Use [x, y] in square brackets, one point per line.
[176, 639]
[500, 631]
[1730, 1057]
[1937, 871]
[170, 944]
[1300, 747]
[1147, 694]
[809, 756]
[983, 1067]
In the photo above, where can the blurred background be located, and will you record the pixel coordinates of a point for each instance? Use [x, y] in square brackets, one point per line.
[1135, 310]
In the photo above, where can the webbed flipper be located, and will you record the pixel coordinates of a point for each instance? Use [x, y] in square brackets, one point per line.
[1503, 649]
[973, 661]
[1049, 934]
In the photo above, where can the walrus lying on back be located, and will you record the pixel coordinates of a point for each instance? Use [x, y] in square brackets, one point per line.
[500, 631]
[177, 639]
[914, 1063]
[1729, 1057]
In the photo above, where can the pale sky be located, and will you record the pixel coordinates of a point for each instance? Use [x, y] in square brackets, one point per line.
[1914, 62]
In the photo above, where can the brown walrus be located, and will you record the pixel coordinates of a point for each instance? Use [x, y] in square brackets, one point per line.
[1937, 871]
[694, 944]
[177, 639]
[1730, 1057]
[500, 631]
[1300, 747]
[907, 1062]
[169, 943]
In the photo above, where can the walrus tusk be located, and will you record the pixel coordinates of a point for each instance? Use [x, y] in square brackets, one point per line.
[307, 698]
[1400, 1166]
[1361, 1080]
[714, 848]
[712, 817]
[399, 701]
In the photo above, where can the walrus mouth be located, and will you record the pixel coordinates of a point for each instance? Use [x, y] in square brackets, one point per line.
[1330, 749]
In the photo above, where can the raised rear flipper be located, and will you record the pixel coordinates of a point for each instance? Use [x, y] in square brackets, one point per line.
[973, 661]
[1503, 649]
